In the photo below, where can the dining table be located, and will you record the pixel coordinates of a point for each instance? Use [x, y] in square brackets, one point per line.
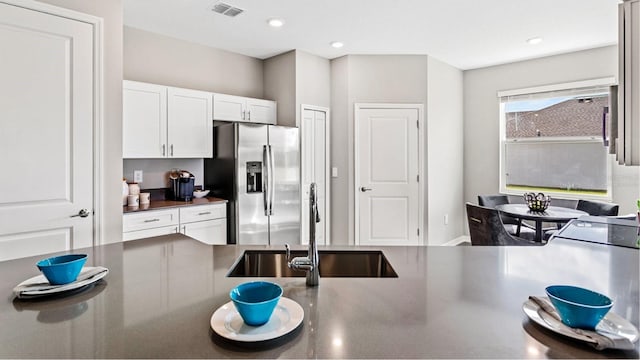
[554, 214]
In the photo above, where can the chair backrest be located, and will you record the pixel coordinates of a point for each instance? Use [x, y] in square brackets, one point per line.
[486, 227]
[598, 208]
[492, 200]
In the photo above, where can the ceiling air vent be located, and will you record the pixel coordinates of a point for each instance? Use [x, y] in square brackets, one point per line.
[226, 9]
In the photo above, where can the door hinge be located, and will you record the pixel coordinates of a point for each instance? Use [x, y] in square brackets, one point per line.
[418, 178]
[418, 231]
[418, 124]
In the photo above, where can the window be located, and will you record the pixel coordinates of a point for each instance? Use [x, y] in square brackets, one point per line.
[552, 140]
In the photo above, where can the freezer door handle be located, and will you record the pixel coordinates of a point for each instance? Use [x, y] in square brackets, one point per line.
[272, 190]
[266, 187]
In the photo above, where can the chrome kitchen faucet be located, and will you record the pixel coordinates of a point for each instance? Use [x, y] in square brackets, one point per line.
[311, 262]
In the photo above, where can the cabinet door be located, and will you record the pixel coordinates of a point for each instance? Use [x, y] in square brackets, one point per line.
[228, 107]
[261, 111]
[190, 124]
[212, 232]
[144, 120]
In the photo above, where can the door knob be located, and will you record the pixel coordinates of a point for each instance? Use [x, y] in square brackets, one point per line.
[364, 189]
[82, 213]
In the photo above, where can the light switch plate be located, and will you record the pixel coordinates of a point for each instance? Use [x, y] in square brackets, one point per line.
[137, 176]
[334, 172]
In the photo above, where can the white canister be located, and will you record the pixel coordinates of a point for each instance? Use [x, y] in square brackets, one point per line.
[145, 198]
[134, 189]
[125, 192]
[133, 200]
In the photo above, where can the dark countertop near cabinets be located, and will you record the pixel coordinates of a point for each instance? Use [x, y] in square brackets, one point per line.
[447, 302]
[165, 204]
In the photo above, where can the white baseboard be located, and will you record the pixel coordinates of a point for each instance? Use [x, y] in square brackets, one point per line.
[458, 240]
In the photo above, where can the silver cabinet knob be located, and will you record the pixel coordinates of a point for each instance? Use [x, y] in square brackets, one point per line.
[365, 189]
[83, 213]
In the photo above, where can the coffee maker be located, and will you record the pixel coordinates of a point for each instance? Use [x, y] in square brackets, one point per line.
[181, 184]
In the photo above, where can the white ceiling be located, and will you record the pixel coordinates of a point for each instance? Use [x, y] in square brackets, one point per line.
[467, 34]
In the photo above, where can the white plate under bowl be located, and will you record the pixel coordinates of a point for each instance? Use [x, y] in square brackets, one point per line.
[38, 286]
[612, 325]
[286, 317]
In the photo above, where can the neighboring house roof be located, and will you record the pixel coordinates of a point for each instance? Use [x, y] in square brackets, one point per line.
[567, 118]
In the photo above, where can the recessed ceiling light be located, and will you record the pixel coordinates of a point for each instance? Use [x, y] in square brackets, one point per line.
[337, 44]
[534, 41]
[275, 22]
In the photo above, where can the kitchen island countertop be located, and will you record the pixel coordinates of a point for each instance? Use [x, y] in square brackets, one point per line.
[448, 302]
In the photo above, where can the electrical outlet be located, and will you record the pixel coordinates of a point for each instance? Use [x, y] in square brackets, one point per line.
[334, 172]
[446, 219]
[137, 176]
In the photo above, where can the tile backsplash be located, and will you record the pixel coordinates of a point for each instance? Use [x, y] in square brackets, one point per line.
[156, 171]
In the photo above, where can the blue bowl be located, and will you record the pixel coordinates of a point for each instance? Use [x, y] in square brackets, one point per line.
[60, 270]
[255, 301]
[578, 307]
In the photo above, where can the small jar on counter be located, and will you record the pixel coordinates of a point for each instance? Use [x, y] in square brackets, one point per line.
[134, 189]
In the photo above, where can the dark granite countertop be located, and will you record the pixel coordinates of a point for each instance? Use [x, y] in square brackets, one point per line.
[448, 302]
[166, 204]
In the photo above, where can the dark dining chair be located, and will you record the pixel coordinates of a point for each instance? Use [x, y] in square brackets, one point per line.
[598, 208]
[486, 228]
[514, 226]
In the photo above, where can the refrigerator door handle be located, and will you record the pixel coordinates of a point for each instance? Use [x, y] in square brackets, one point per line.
[271, 181]
[266, 186]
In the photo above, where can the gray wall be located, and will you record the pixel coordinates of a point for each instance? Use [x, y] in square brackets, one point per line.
[111, 13]
[393, 79]
[313, 81]
[155, 58]
[481, 109]
[159, 59]
[295, 78]
[280, 85]
[444, 153]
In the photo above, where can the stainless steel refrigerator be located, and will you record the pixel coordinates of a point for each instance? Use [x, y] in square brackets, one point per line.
[256, 168]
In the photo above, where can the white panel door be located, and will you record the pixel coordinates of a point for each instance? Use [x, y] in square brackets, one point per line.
[388, 165]
[144, 120]
[190, 124]
[46, 132]
[314, 169]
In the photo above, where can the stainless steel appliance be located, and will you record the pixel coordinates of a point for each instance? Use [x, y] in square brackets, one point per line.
[256, 168]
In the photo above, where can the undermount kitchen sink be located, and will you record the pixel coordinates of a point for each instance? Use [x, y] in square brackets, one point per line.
[333, 263]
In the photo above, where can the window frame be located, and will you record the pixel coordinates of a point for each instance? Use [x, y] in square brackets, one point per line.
[608, 81]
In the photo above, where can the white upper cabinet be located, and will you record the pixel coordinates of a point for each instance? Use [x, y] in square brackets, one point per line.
[166, 122]
[190, 125]
[144, 125]
[238, 108]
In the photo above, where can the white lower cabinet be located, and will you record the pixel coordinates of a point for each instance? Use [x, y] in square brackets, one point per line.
[205, 223]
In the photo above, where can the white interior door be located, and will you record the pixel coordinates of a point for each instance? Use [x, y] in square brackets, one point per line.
[46, 136]
[387, 170]
[314, 169]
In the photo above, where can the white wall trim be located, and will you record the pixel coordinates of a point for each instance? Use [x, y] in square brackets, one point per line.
[327, 195]
[457, 241]
[421, 154]
[98, 101]
[563, 86]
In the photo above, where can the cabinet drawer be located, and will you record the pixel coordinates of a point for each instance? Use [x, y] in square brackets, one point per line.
[141, 234]
[202, 212]
[149, 220]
